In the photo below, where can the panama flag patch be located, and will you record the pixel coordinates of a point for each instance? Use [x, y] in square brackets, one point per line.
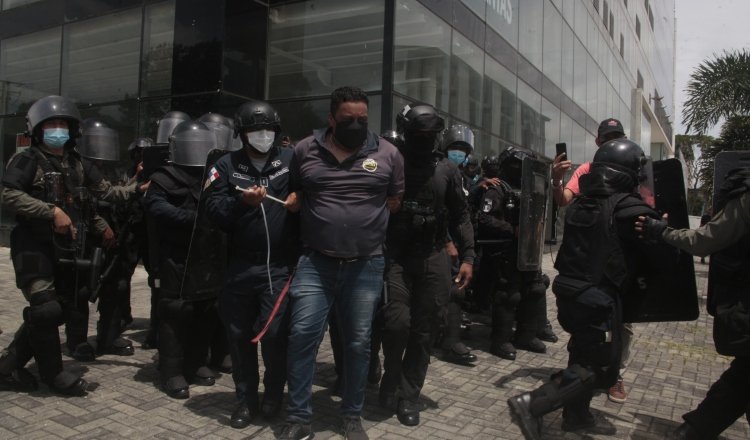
[212, 175]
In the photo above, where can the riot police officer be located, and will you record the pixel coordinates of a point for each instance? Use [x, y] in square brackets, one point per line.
[418, 270]
[45, 186]
[185, 315]
[262, 252]
[726, 237]
[596, 264]
[515, 295]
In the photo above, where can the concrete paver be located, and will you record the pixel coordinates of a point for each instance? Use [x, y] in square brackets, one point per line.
[671, 368]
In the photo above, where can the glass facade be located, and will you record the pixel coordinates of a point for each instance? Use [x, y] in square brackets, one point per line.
[529, 73]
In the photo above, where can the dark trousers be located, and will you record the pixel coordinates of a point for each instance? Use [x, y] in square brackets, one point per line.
[184, 336]
[416, 286]
[726, 401]
[244, 307]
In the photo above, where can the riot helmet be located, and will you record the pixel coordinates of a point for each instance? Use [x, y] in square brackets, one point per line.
[140, 143]
[471, 167]
[490, 166]
[53, 107]
[420, 125]
[168, 123]
[98, 141]
[511, 164]
[190, 143]
[458, 143]
[222, 128]
[394, 138]
[260, 118]
[620, 157]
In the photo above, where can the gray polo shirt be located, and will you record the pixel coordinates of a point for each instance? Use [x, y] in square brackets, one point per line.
[344, 212]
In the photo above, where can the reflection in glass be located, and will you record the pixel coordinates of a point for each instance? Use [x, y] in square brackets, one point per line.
[467, 65]
[531, 19]
[552, 62]
[423, 44]
[316, 46]
[478, 6]
[502, 16]
[9, 4]
[158, 44]
[499, 100]
[29, 69]
[530, 121]
[101, 57]
[121, 117]
[551, 118]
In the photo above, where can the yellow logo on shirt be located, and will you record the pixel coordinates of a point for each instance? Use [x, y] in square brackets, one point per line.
[370, 165]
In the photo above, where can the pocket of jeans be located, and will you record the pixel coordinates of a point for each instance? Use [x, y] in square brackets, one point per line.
[376, 263]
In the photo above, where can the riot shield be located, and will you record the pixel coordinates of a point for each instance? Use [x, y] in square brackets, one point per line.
[535, 187]
[154, 157]
[665, 293]
[646, 183]
[206, 262]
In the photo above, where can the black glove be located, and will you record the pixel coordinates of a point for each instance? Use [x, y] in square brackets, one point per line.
[653, 229]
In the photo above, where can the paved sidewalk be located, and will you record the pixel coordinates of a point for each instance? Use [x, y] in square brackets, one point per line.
[671, 368]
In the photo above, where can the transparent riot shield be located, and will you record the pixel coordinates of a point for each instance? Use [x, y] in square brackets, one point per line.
[535, 188]
[206, 262]
[665, 293]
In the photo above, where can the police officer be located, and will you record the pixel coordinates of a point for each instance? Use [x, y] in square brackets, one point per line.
[40, 184]
[726, 238]
[596, 264]
[184, 321]
[458, 144]
[418, 271]
[262, 250]
[515, 295]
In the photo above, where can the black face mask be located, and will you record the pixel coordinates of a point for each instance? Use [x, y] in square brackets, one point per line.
[350, 134]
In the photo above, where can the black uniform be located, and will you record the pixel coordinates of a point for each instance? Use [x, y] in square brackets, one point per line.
[515, 295]
[185, 326]
[418, 271]
[247, 298]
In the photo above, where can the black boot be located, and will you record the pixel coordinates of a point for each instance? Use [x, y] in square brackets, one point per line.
[546, 334]
[531, 425]
[408, 412]
[459, 354]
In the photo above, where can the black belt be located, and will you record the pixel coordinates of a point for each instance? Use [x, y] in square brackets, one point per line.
[341, 260]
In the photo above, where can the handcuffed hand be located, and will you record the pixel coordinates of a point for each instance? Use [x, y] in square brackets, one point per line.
[651, 229]
[293, 202]
[253, 196]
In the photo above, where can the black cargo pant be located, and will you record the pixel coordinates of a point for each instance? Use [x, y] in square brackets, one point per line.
[416, 287]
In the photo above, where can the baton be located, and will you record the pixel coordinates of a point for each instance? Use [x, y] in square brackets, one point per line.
[267, 195]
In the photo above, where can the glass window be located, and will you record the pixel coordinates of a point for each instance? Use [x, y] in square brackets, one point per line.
[29, 69]
[478, 6]
[467, 66]
[567, 60]
[9, 4]
[499, 100]
[551, 121]
[553, 24]
[531, 20]
[578, 144]
[591, 88]
[579, 73]
[421, 58]
[530, 121]
[102, 57]
[150, 112]
[158, 44]
[581, 20]
[317, 46]
[502, 16]
[566, 135]
[122, 117]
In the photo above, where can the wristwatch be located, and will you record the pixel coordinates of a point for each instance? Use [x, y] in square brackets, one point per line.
[557, 183]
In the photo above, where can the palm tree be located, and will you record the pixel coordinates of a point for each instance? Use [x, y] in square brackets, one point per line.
[719, 88]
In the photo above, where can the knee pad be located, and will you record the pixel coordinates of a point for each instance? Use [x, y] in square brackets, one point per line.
[46, 313]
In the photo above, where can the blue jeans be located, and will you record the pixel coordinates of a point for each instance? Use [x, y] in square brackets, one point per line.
[353, 288]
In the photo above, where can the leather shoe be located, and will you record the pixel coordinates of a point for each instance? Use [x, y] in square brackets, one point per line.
[684, 432]
[408, 412]
[78, 388]
[176, 388]
[547, 334]
[241, 417]
[531, 426]
[459, 354]
[533, 345]
[119, 347]
[506, 350]
[271, 406]
[83, 352]
[203, 377]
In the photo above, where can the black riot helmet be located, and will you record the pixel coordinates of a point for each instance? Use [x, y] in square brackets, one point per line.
[98, 141]
[511, 164]
[620, 156]
[190, 143]
[420, 125]
[168, 123]
[53, 107]
[490, 166]
[459, 136]
[394, 138]
[140, 143]
[222, 128]
[256, 115]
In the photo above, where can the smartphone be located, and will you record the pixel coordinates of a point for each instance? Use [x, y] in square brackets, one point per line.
[561, 148]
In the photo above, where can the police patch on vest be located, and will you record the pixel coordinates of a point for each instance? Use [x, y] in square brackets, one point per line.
[487, 206]
[276, 163]
[370, 165]
[242, 167]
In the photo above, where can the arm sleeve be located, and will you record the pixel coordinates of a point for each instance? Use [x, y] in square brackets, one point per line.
[158, 205]
[572, 184]
[396, 186]
[728, 226]
[109, 193]
[223, 207]
[23, 204]
[656, 254]
[489, 220]
[459, 220]
[100, 225]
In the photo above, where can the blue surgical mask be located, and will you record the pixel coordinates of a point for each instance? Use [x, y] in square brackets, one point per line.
[457, 156]
[56, 137]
